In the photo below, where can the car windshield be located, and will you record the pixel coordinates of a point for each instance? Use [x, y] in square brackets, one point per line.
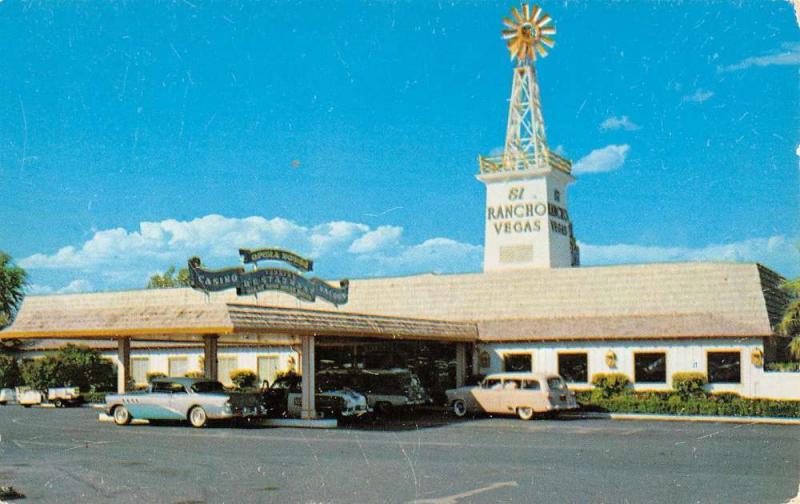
[207, 386]
[556, 383]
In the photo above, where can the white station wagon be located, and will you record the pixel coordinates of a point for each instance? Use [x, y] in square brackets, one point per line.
[523, 394]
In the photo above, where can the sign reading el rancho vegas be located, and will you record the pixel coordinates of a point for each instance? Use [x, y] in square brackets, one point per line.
[520, 216]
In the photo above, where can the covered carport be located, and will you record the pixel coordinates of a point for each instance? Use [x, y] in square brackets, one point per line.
[213, 323]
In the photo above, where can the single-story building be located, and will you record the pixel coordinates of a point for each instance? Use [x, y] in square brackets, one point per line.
[647, 321]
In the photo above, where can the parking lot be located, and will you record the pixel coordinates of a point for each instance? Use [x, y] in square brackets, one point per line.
[67, 456]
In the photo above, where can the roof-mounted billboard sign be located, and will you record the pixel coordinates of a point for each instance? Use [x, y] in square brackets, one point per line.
[267, 279]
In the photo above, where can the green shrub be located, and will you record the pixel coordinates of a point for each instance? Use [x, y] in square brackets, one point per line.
[94, 397]
[783, 367]
[195, 374]
[725, 404]
[72, 366]
[611, 384]
[243, 378]
[40, 374]
[10, 375]
[155, 374]
[689, 384]
[286, 372]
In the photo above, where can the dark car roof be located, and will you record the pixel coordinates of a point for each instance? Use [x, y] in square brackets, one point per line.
[186, 382]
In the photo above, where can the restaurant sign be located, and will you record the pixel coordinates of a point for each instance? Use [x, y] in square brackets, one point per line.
[267, 279]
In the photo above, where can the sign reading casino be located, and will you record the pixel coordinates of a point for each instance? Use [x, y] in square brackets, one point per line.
[267, 279]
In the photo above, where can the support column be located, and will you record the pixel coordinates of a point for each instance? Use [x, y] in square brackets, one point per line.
[461, 364]
[308, 386]
[123, 364]
[476, 359]
[210, 365]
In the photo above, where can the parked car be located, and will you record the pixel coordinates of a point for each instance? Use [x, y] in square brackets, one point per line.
[7, 395]
[197, 400]
[523, 394]
[385, 390]
[284, 399]
[28, 397]
[64, 396]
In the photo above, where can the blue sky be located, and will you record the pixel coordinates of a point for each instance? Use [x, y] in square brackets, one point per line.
[136, 134]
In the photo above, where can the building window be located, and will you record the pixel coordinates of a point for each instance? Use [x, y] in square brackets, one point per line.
[724, 367]
[225, 365]
[140, 366]
[574, 367]
[557, 195]
[517, 362]
[178, 366]
[650, 367]
[268, 368]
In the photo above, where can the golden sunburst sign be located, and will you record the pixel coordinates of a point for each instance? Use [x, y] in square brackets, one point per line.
[528, 32]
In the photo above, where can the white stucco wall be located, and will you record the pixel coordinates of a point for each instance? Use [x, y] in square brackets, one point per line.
[682, 355]
[246, 357]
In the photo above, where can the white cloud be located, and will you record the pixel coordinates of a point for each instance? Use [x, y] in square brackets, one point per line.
[79, 285]
[789, 56]
[118, 258]
[606, 159]
[381, 238]
[778, 252]
[699, 96]
[439, 255]
[615, 123]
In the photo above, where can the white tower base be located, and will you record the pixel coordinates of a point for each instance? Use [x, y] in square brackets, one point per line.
[527, 223]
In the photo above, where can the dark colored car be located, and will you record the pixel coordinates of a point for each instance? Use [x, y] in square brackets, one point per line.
[284, 399]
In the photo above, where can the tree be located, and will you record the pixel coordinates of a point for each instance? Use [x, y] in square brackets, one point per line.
[790, 324]
[168, 279]
[9, 372]
[13, 280]
[72, 366]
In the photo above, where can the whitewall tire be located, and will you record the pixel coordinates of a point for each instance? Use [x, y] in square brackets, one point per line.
[459, 408]
[121, 415]
[525, 413]
[198, 417]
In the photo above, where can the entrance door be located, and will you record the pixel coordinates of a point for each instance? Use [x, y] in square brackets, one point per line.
[268, 366]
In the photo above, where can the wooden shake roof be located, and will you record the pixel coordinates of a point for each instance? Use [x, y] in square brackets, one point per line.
[680, 300]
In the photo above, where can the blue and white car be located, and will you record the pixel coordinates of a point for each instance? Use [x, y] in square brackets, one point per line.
[197, 400]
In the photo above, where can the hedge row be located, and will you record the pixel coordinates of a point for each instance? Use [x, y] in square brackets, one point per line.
[670, 403]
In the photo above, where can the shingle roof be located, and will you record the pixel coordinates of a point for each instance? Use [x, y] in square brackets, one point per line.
[631, 301]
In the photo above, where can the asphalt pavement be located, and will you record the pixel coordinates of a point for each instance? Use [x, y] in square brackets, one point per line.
[53, 455]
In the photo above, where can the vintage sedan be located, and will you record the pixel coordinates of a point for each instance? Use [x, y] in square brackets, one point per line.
[523, 394]
[284, 399]
[197, 400]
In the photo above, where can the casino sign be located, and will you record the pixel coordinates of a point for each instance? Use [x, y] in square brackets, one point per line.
[267, 279]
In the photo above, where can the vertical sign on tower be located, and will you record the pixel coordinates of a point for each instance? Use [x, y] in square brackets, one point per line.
[527, 221]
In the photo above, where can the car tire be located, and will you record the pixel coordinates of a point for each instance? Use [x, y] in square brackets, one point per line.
[58, 403]
[525, 412]
[459, 408]
[121, 415]
[383, 409]
[198, 417]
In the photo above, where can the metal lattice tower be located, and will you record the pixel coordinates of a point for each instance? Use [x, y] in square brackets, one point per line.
[526, 143]
[528, 32]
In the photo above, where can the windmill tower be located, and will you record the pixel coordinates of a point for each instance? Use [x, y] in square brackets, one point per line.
[527, 222]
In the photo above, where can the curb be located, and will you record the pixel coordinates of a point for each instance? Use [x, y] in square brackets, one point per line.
[685, 418]
[323, 423]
